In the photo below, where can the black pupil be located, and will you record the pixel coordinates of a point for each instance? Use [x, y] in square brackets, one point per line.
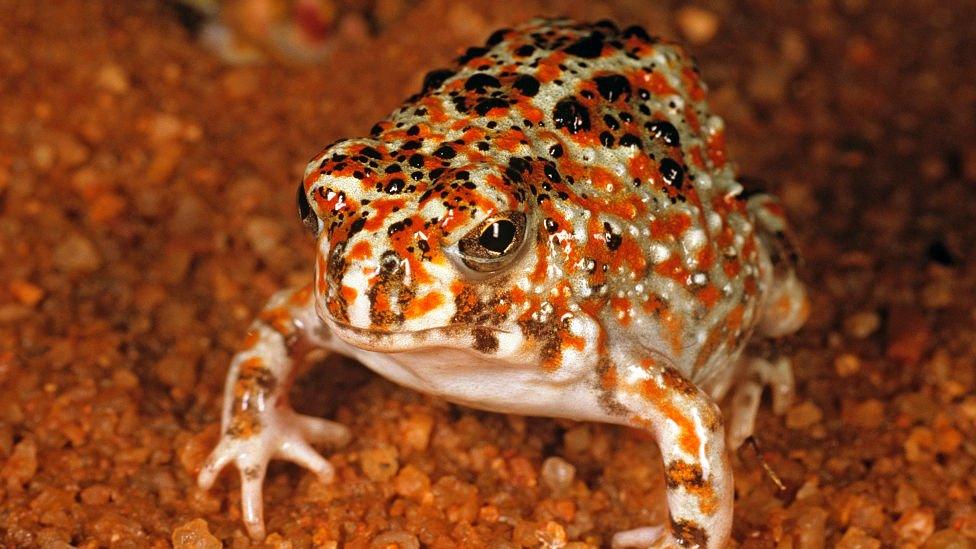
[305, 210]
[498, 236]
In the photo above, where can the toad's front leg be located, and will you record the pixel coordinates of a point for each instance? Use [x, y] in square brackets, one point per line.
[257, 423]
[688, 428]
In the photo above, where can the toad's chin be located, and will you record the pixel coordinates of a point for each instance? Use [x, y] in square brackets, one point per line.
[480, 339]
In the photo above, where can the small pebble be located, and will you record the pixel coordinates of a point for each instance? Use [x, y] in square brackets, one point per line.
[868, 414]
[27, 293]
[803, 415]
[379, 464]
[76, 254]
[948, 539]
[112, 78]
[811, 528]
[400, 539]
[176, 371]
[558, 474]
[264, 234]
[21, 465]
[195, 535]
[862, 325]
[415, 430]
[412, 483]
[855, 538]
[847, 364]
[919, 445]
[915, 526]
[697, 25]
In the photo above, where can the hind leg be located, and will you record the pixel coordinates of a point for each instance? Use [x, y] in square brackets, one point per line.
[778, 376]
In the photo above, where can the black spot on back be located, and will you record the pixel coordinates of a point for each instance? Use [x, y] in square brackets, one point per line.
[588, 47]
[612, 86]
[481, 81]
[672, 173]
[665, 131]
[572, 115]
[435, 78]
[527, 85]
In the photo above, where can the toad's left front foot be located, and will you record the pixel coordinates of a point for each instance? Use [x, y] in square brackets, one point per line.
[688, 429]
[285, 435]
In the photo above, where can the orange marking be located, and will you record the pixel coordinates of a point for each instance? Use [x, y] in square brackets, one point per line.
[641, 167]
[692, 118]
[706, 257]
[673, 269]
[573, 341]
[531, 113]
[609, 378]
[381, 303]
[361, 250]
[301, 297]
[709, 296]
[631, 254]
[250, 368]
[660, 397]
[655, 82]
[692, 82]
[653, 305]
[621, 306]
[509, 139]
[696, 157]
[348, 293]
[674, 323]
[381, 209]
[541, 266]
[472, 135]
[549, 67]
[250, 340]
[670, 225]
[425, 304]
[717, 153]
[279, 319]
[321, 277]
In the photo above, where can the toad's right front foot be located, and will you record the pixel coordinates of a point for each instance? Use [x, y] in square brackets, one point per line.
[283, 435]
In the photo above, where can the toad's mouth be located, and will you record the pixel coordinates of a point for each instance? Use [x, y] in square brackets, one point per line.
[391, 341]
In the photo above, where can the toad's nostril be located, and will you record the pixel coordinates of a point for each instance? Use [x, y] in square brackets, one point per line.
[389, 261]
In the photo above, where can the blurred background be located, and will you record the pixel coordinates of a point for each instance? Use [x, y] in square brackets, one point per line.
[148, 156]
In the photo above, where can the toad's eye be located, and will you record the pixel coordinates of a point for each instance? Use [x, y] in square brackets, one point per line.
[498, 237]
[305, 211]
[493, 244]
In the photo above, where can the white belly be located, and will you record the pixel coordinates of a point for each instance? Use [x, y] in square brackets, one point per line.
[476, 381]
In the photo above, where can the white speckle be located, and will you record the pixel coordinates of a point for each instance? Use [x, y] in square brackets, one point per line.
[704, 180]
[635, 374]
[699, 278]
[693, 239]
[659, 253]
[714, 221]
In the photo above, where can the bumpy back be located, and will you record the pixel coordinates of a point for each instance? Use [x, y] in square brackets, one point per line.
[603, 138]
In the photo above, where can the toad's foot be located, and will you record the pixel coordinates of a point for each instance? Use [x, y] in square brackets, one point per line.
[284, 435]
[778, 375]
[649, 536]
